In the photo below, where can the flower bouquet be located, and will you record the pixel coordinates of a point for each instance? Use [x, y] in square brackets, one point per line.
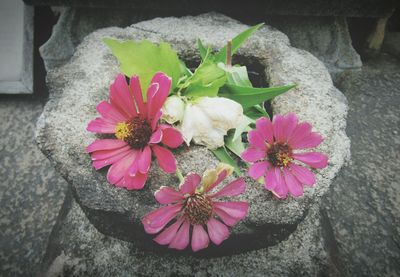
[158, 104]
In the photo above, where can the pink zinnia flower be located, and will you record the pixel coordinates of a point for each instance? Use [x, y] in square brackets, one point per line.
[135, 124]
[273, 155]
[194, 205]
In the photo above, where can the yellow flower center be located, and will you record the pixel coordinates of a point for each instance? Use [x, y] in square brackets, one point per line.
[122, 130]
[136, 132]
[280, 154]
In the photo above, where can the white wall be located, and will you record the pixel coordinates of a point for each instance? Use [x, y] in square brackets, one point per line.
[11, 39]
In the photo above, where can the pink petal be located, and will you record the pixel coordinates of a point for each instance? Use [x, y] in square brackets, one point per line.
[280, 188]
[165, 158]
[167, 195]
[181, 239]
[102, 163]
[137, 94]
[278, 124]
[151, 91]
[313, 159]
[134, 168]
[105, 144]
[108, 111]
[190, 183]
[156, 137]
[117, 171]
[304, 175]
[236, 209]
[270, 179]
[291, 122]
[171, 136]
[302, 130]
[154, 121]
[200, 238]
[264, 126]
[135, 182]
[166, 236]
[217, 231]
[157, 97]
[252, 154]
[105, 154]
[144, 160]
[233, 189]
[256, 139]
[309, 141]
[226, 218]
[258, 169]
[121, 96]
[156, 220]
[99, 125]
[294, 186]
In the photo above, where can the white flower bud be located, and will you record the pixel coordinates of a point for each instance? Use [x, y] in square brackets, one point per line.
[208, 120]
[173, 109]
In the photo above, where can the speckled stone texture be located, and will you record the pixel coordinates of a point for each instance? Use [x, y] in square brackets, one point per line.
[31, 192]
[327, 38]
[75, 23]
[76, 248]
[364, 202]
[78, 86]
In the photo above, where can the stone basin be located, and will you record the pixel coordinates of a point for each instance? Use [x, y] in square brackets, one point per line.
[77, 87]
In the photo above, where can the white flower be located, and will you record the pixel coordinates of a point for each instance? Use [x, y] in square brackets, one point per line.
[208, 119]
[173, 109]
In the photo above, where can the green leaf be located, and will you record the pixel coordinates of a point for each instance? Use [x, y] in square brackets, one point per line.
[237, 42]
[242, 127]
[185, 71]
[202, 49]
[206, 80]
[234, 144]
[236, 75]
[248, 96]
[255, 112]
[223, 155]
[144, 59]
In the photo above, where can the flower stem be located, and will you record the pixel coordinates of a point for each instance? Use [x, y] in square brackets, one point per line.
[179, 175]
[229, 53]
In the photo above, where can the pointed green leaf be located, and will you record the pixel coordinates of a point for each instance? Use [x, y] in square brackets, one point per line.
[248, 96]
[237, 42]
[206, 80]
[144, 59]
[202, 49]
[242, 127]
[255, 112]
[223, 155]
[236, 75]
[234, 145]
[185, 71]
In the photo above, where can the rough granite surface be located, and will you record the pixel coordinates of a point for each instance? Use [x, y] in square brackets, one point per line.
[75, 23]
[327, 38]
[363, 203]
[31, 192]
[76, 248]
[78, 86]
